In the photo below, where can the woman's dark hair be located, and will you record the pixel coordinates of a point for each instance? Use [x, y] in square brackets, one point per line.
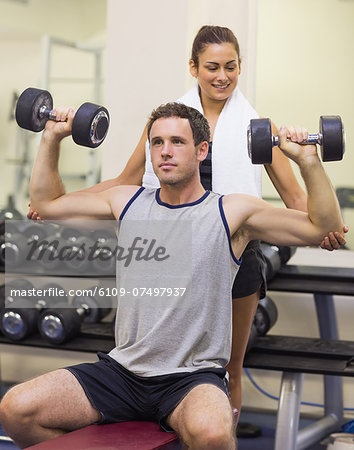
[199, 124]
[212, 34]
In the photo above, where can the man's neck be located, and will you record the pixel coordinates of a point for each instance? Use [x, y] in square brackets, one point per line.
[179, 195]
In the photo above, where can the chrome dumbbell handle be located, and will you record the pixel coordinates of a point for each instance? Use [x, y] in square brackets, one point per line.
[47, 113]
[98, 127]
[315, 138]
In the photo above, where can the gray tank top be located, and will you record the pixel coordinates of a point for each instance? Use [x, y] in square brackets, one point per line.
[174, 278]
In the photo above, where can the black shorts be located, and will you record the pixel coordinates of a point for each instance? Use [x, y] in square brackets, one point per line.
[251, 276]
[121, 396]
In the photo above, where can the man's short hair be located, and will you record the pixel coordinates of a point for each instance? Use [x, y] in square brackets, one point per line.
[199, 124]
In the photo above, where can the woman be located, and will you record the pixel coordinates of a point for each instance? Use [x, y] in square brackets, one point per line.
[216, 64]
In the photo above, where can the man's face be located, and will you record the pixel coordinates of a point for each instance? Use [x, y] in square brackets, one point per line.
[173, 153]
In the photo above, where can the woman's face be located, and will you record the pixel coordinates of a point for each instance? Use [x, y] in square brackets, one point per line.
[218, 71]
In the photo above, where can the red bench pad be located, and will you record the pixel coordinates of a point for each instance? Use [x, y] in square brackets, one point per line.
[124, 435]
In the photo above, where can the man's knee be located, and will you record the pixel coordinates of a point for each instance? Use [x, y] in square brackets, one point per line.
[212, 433]
[16, 407]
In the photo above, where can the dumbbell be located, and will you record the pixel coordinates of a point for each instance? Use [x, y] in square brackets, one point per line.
[275, 256]
[16, 243]
[90, 125]
[13, 248]
[54, 251]
[37, 231]
[62, 323]
[104, 258]
[8, 296]
[19, 285]
[91, 252]
[264, 319]
[82, 249]
[20, 318]
[331, 139]
[266, 316]
[69, 249]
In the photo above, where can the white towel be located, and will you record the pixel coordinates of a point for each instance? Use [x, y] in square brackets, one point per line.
[232, 169]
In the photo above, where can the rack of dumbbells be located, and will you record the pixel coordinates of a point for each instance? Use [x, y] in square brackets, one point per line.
[59, 284]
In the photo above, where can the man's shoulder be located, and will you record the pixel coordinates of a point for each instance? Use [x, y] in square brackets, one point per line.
[237, 198]
[240, 202]
[125, 191]
[119, 196]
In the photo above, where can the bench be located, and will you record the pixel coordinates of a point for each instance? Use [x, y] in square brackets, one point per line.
[125, 436]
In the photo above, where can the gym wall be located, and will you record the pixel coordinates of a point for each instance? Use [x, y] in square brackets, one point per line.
[305, 69]
[22, 27]
[148, 50]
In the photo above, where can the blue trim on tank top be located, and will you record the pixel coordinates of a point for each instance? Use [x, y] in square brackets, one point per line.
[135, 196]
[226, 225]
[160, 202]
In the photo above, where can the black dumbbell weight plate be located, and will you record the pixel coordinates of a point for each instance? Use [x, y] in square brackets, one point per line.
[21, 287]
[333, 141]
[13, 250]
[60, 324]
[52, 295]
[37, 231]
[27, 109]
[97, 306]
[266, 316]
[90, 125]
[272, 259]
[19, 320]
[260, 143]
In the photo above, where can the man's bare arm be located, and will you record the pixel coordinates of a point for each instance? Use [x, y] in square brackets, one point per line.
[52, 204]
[131, 175]
[252, 218]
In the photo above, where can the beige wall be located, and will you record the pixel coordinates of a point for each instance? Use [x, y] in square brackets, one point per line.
[22, 27]
[305, 69]
[148, 49]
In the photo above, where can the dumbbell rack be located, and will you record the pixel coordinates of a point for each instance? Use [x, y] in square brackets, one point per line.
[295, 356]
[93, 338]
[75, 281]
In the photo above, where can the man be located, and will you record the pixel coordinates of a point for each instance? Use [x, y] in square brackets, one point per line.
[168, 363]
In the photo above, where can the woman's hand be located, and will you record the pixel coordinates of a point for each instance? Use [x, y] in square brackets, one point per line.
[333, 241]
